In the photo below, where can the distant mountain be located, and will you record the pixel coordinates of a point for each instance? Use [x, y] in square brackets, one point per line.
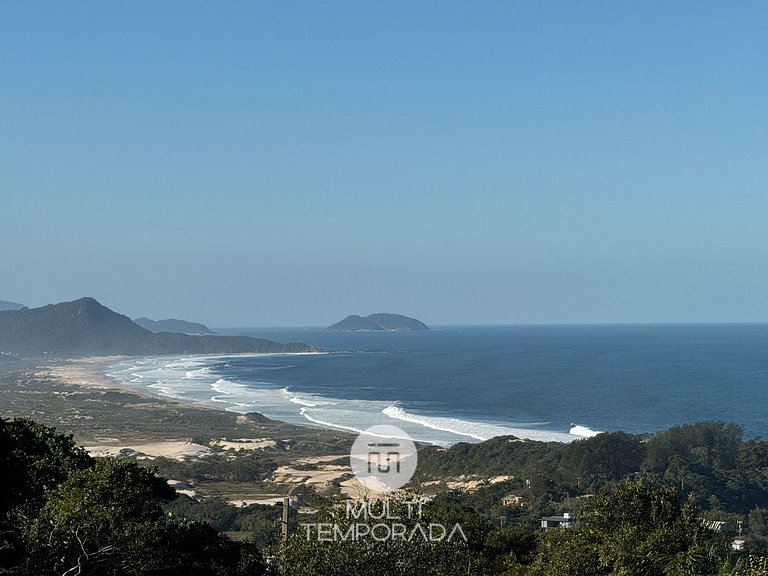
[355, 323]
[4, 305]
[86, 328]
[173, 325]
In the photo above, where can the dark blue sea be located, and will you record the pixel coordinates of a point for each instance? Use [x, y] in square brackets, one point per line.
[453, 384]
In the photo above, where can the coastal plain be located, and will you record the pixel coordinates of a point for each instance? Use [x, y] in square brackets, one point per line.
[242, 458]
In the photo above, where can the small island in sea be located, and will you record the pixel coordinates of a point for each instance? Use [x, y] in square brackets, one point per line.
[377, 322]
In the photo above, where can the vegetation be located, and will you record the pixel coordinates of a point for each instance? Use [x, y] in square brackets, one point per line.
[94, 415]
[709, 461]
[173, 325]
[86, 328]
[64, 513]
[635, 530]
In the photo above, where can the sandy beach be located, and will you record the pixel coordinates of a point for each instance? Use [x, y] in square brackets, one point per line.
[111, 419]
[87, 373]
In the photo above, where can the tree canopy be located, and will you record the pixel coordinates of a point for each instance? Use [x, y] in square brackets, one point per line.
[64, 513]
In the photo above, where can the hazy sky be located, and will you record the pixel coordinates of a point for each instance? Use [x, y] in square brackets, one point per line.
[289, 163]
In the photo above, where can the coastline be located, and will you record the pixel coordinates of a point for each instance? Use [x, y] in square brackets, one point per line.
[108, 418]
[209, 381]
[88, 372]
[78, 397]
[233, 398]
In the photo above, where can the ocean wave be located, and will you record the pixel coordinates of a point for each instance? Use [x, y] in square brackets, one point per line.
[199, 373]
[203, 380]
[303, 402]
[477, 430]
[583, 431]
[167, 389]
[228, 387]
[308, 399]
[327, 424]
[184, 364]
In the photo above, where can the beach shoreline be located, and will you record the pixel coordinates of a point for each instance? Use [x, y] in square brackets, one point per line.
[102, 373]
[108, 418]
[210, 381]
[77, 395]
[87, 372]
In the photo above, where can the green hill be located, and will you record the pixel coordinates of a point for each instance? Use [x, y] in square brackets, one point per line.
[86, 328]
[173, 325]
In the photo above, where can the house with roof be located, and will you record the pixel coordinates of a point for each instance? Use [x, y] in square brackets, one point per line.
[564, 521]
[512, 500]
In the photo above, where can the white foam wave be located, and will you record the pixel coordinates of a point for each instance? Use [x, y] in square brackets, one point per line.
[199, 373]
[166, 389]
[303, 402]
[327, 424]
[583, 431]
[224, 386]
[308, 399]
[200, 380]
[476, 430]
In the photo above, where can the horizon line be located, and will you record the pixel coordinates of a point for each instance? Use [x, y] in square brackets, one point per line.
[505, 324]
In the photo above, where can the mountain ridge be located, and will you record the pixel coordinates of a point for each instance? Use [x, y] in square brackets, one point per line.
[85, 327]
[174, 325]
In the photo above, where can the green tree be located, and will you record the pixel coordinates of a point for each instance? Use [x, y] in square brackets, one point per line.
[33, 460]
[109, 520]
[64, 513]
[307, 555]
[95, 517]
[608, 456]
[634, 531]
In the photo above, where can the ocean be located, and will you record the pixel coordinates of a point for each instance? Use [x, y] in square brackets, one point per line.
[469, 383]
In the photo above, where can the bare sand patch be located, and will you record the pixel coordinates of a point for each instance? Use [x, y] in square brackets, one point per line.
[86, 372]
[245, 444]
[325, 475]
[472, 483]
[320, 459]
[176, 449]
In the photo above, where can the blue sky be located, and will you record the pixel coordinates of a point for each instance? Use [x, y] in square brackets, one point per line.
[290, 163]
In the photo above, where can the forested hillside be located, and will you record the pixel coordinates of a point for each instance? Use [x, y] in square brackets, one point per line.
[65, 513]
[86, 328]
